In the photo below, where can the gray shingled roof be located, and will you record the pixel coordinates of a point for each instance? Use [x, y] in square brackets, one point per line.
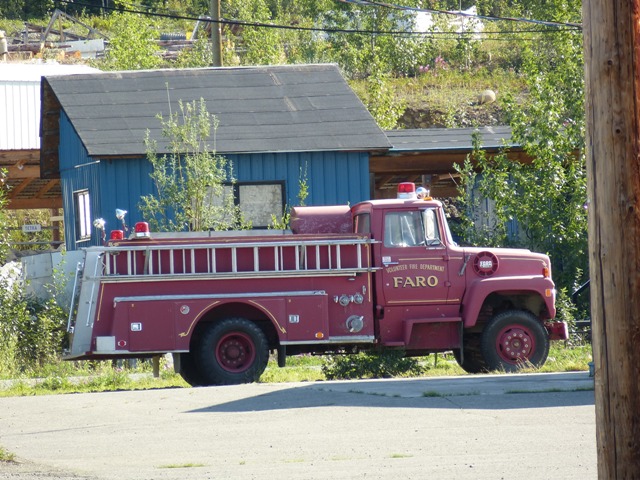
[260, 109]
[450, 139]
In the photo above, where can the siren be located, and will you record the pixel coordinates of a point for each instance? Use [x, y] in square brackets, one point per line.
[142, 230]
[407, 190]
[116, 235]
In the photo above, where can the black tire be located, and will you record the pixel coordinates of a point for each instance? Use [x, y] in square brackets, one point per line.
[231, 352]
[514, 339]
[189, 370]
[472, 360]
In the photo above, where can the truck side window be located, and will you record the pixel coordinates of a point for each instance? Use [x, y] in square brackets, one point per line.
[431, 230]
[362, 223]
[403, 229]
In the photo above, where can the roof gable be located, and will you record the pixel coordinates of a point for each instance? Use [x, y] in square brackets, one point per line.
[260, 109]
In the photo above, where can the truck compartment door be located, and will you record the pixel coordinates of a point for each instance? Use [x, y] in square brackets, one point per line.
[307, 317]
[145, 326]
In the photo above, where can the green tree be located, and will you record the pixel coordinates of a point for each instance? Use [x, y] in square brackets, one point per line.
[199, 55]
[13, 10]
[190, 179]
[132, 43]
[380, 99]
[260, 46]
[546, 197]
[21, 9]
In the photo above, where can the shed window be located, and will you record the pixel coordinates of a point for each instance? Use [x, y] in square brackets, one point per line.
[257, 201]
[83, 215]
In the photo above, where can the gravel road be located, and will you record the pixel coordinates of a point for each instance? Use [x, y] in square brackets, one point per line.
[478, 427]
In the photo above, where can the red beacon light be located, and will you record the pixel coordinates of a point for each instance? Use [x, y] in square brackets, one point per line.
[116, 235]
[407, 190]
[142, 230]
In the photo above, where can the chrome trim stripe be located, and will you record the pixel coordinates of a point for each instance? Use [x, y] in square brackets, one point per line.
[148, 298]
[230, 276]
[332, 341]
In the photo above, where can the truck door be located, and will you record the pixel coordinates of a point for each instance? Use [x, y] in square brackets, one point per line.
[414, 258]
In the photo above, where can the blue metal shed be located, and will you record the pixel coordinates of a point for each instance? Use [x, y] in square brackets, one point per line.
[276, 124]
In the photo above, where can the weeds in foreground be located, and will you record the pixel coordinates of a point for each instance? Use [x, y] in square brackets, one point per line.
[6, 456]
[85, 377]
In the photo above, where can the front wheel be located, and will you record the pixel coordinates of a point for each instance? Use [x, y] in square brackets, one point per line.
[514, 339]
[232, 351]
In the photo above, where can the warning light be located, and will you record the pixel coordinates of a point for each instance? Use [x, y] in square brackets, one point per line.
[406, 190]
[142, 230]
[422, 193]
[116, 235]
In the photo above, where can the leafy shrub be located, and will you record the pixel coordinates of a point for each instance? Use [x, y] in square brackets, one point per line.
[31, 333]
[386, 364]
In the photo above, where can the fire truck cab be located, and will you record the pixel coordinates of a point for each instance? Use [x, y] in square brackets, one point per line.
[383, 274]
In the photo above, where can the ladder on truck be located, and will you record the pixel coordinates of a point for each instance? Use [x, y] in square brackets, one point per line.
[235, 259]
[82, 310]
[241, 259]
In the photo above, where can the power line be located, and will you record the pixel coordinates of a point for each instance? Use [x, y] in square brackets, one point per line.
[398, 33]
[463, 14]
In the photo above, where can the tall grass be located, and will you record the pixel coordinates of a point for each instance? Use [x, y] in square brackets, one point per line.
[84, 377]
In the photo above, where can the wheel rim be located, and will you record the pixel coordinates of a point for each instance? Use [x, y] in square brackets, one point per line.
[235, 352]
[515, 344]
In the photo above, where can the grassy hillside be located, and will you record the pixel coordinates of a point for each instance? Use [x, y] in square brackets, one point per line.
[433, 83]
[451, 98]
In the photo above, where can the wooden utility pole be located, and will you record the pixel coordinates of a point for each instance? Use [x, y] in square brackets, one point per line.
[216, 33]
[612, 67]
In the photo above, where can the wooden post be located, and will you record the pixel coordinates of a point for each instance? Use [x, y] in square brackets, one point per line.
[612, 68]
[155, 362]
[216, 33]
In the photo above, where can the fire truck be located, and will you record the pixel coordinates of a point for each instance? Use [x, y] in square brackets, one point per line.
[382, 274]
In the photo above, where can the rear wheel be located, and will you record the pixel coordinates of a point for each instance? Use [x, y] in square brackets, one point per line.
[514, 339]
[232, 351]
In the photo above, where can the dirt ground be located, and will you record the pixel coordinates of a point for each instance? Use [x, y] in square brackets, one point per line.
[24, 470]
[484, 427]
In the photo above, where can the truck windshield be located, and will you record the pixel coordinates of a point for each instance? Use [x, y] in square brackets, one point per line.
[403, 229]
[411, 228]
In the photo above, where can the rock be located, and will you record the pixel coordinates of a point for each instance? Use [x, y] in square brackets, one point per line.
[488, 96]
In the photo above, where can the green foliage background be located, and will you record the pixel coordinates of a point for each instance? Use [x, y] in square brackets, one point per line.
[547, 197]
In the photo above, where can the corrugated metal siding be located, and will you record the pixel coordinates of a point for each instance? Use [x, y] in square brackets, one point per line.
[124, 182]
[333, 178]
[78, 171]
[19, 115]
[20, 101]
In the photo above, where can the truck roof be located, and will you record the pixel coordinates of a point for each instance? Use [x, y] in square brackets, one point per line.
[398, 203]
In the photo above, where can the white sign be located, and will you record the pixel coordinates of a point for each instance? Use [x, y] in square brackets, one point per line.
[31, 228]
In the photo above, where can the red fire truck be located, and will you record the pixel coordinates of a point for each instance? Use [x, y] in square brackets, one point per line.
[383, 274]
